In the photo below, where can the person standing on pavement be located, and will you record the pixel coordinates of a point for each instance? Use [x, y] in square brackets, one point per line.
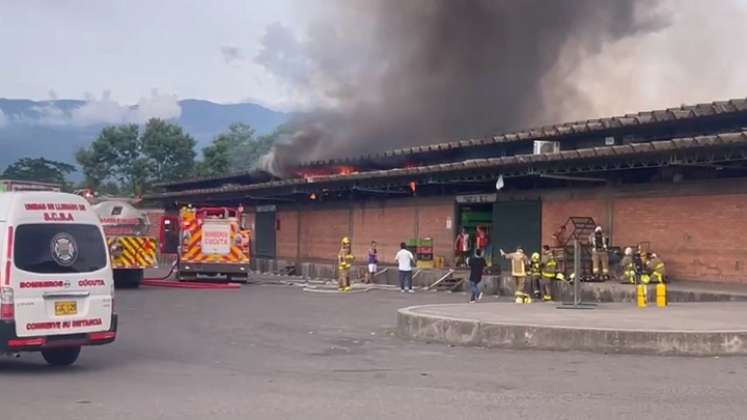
[549, 272]
[519, 262]
[476, 268]
[599, 254]
[405, 261]
[345, 260]
[535, 275]
[462, 245]
[373, 262]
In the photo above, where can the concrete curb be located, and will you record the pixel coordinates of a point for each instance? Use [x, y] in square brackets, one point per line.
[472, 332]
[333, 290]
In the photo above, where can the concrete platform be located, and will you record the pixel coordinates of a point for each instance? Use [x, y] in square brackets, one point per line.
[697, 329]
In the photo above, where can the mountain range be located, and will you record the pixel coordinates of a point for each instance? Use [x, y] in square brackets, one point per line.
[56, 129]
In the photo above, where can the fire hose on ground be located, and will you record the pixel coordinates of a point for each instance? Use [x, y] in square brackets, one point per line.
[175, 284]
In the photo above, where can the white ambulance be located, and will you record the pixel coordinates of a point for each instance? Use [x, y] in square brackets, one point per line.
[56, 286]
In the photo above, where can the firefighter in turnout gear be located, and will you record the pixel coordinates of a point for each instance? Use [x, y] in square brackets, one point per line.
[345, 260]
[535, 275]
[549, 272]
[628, 265]
[519, 263]
[655, 269]
[639, 267]
[600, 258]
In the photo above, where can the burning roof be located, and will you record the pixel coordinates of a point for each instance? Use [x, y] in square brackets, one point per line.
[723, 147]
[498, 146]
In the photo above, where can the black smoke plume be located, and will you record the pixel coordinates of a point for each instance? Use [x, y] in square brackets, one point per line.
[398, 73]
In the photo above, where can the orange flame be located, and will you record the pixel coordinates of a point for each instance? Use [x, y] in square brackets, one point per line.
[346, 170]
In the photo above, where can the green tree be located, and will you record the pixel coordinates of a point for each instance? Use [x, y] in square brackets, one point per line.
[164, 152]
[227, 151]
[170, 151]
[117, 155]
[236, 150]
[40, 169]
[248, 157]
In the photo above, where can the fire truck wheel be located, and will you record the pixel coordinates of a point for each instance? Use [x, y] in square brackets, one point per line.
[128, 279]
[62, 356]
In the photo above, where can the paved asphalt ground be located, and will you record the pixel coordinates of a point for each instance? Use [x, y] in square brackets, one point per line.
[276, 352]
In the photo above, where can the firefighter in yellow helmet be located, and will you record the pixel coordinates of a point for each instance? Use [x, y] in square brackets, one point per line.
[549, 272]
[655, 269]
[535, 274]
[345, 260]
[519, 263]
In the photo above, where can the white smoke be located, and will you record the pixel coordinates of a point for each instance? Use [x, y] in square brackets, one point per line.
[3, 119]
[697, 58]
[105, 110]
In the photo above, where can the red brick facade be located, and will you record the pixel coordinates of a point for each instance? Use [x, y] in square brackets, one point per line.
[699, 237]
[699, 231]
[388, 222]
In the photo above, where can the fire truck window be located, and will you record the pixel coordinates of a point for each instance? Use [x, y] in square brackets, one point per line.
[116, 210]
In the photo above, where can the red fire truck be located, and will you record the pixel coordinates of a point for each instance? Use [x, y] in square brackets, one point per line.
[208, 241]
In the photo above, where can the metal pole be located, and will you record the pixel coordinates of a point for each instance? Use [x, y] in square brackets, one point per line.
[576, 271]
[576, 304]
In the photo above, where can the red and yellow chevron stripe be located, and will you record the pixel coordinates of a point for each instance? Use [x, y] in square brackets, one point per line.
[192, 251]
[133, 252]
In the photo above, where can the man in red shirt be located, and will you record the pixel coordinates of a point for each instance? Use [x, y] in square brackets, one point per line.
[462, 246]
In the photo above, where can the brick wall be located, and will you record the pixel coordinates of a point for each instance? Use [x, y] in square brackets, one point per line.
[699, 237]
[287, 235]
[555, 213]
[321, 231]
[388, 222]
[432, 219]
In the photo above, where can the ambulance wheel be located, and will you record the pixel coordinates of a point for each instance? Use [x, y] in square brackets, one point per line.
[62, 356]
[128, 279]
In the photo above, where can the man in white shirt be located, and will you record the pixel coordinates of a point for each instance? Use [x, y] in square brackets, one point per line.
[405, 261]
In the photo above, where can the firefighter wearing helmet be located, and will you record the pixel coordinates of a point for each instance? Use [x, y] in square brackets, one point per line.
[599, 254]
[535, 275]
[345, 260]
[549, 272]
[519, 262]
[655, 269]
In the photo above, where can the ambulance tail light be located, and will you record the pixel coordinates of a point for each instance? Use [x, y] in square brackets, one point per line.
[102, 336]
[7, 308]
[27, 342]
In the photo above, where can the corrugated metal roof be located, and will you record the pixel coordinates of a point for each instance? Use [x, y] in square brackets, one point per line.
[550, 132]
[618, 151]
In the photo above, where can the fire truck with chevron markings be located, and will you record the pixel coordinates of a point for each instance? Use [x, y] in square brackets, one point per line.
[213, 241]
[132, 248]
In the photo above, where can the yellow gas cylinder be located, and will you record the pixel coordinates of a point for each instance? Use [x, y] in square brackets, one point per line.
[642, 295]
[661, 295]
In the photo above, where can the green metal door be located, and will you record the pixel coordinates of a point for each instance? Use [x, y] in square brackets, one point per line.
[516, 223]
[264, 245]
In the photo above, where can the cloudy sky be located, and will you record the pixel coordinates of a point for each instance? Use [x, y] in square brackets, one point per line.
[126, 50]
[189, 48]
